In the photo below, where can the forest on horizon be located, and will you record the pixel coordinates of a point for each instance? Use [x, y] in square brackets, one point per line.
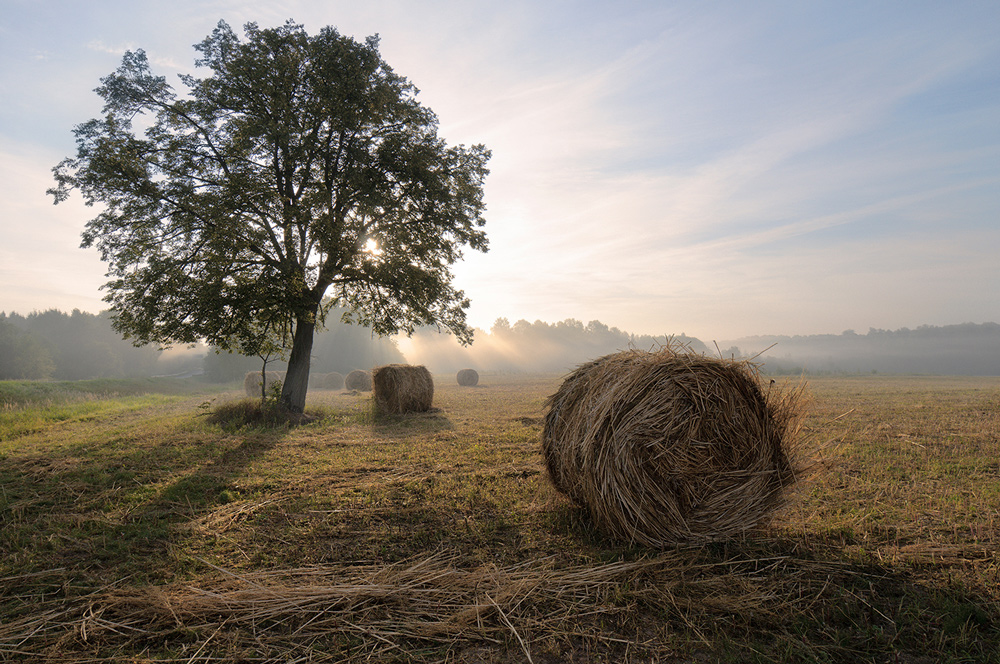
[78, 345]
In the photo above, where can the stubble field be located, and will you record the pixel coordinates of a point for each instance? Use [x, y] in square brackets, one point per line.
[133, 530]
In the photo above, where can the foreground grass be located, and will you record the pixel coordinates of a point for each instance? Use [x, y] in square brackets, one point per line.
[140, 532]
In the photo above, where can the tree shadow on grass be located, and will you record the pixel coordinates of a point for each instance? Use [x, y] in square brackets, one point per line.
[113, 510]
[781, 597]
[409, 425]
[212, 484]
[161, 522]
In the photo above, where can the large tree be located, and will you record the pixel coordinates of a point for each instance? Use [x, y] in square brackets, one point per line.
[302, 173]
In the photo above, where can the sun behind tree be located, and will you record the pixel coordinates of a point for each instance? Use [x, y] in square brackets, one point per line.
[301, 174]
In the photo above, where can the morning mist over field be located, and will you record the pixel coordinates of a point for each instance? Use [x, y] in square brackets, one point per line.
[78, 345]
[968, 349]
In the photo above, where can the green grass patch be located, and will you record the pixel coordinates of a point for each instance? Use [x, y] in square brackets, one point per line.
[16, 394]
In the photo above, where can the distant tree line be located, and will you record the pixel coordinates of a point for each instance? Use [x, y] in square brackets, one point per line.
[73, 346]
[524, 347]
[79, 345]
[969, 349]
[966, 349]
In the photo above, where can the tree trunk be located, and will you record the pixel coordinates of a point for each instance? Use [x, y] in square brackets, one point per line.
[293, 391]
[263, 380]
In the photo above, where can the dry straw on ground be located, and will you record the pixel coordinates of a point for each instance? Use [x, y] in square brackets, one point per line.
[468, 377]
[358, 380]
[666, 447]
[389, 611]
[251, 382]
[402, 388]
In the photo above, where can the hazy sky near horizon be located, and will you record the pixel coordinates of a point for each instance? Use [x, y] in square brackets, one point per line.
[718, 169]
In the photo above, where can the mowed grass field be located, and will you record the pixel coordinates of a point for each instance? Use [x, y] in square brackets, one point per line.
[134, 530]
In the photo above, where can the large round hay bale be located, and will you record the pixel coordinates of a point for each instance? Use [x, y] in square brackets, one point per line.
[251, 382]
[331, 381]
[402, 388]
[664, 447]
[358, 379]
[468, 377]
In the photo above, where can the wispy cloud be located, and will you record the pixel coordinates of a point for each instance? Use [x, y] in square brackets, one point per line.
[118, 49]
[170, 64]
[718, 170]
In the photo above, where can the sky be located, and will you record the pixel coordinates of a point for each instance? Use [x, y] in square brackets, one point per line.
[718, 169]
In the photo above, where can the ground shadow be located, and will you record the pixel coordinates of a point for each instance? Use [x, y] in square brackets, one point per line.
[113, 508]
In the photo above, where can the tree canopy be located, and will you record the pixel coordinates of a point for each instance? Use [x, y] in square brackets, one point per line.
[300, 174]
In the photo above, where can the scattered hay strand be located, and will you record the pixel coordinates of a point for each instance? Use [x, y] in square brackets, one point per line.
[468, 377]
[402, 388]
[251, 382]
[358, 379]
[225, 517]
[665, 447]
[436, 599]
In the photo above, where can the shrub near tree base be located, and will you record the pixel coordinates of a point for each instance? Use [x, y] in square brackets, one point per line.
[255, 413]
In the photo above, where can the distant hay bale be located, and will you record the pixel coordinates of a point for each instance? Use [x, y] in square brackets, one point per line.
[664, 447]
[358, 379]
[330, 381]
[402, 388]
[468, 377]
[251, 382]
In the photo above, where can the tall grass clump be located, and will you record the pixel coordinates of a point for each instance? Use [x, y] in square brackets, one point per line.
[257, 413]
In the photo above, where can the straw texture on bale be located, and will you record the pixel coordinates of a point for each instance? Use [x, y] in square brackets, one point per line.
[468, 377]
[666, 447]
[358, 379]
[251, 382]
[402, 388]
[331, 381]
